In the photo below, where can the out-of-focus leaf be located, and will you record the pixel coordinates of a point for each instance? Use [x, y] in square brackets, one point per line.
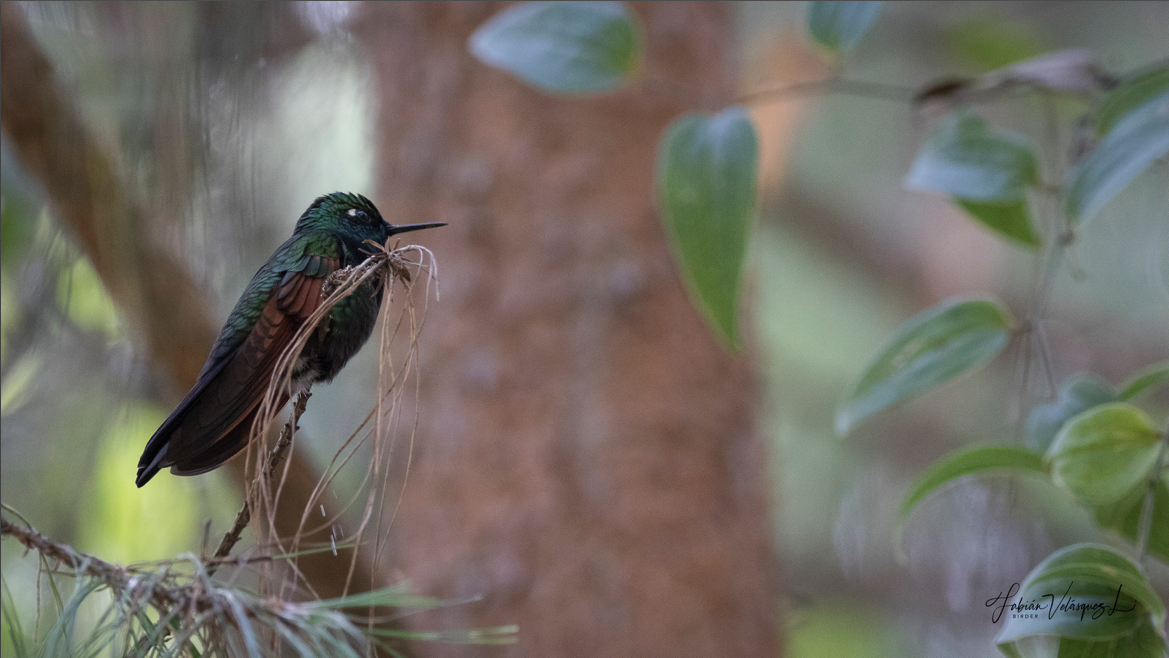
[1133, 143]
[17, 226]
[1151, 378]
[1132, 94]
[494, 635]
[1125, 518]
[13, 641]
[847, 629]
[1104, 453]
[1009, 219]
[976, 460]
[988, 44]
[964, 159]
[840, 25]
[562, 47]
[394, 596]
[706, 192]
[10, 313]
[1120, 604]
[1144, 642]
[930, 348]
[20, 383]
[1077, 394]
[116, 520]
[83, 297]
[1072, 70]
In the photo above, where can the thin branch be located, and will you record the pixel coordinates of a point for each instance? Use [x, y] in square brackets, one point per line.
[876, 90]
[231, 537]
[1045, 359]
[117, 578]
[35, 541]
[1059, 238]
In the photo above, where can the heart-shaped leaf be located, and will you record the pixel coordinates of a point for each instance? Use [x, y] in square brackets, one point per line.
[929, 349]
[706, 193]
[1131, 95]
[562, 47]
[1010, 219]
[1071, 70]
[1077, 394]
[964, 159]
[1125, 518]
[1084, 592]
[840, 25]
[976, 460]
[1131, 145]
[1143, 642]
[1151, 378]
[1104, 454]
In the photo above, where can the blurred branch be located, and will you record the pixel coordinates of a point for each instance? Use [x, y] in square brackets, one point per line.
[163, 305]
[798, 90]
[115, 577]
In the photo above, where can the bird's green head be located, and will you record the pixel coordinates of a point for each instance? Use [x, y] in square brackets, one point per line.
[352, 216]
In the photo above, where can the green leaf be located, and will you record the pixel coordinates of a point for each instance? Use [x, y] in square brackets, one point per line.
[1129, 148]
[1125, 517]
[839, 26]
[81, 294]
[1144, 642]
[984, 44]
[1077, 394]
[976, 460]
[10, 620]
[929, 349]
[1009, 219]
[1073, 70]
[1132, 94]
[706, 192]
[964, 159]
[1151, 378]
[1103, 454]
[494, 635]
[394, 596]
[1088, 575]
[18, 218]
[562, 47]
[986, 173]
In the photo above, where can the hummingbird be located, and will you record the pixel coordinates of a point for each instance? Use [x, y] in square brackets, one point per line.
[213, 422]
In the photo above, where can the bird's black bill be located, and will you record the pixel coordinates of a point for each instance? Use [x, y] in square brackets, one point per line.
[406, 228]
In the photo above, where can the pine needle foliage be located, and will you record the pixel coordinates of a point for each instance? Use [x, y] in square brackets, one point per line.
[172, 608]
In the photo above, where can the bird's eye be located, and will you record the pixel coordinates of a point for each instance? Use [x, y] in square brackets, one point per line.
[359, 215]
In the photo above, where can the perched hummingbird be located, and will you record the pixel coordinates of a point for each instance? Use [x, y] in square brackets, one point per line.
[213, 422]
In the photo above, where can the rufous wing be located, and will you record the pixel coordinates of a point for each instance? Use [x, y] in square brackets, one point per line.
[214, 421]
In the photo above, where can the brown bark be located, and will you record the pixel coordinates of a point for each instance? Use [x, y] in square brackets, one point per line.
[163, 305]
[587, 458]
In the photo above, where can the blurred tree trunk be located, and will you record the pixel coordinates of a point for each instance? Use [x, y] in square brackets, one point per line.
[587, 458]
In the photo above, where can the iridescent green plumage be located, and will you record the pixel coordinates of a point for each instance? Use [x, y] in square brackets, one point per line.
[214, 420]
